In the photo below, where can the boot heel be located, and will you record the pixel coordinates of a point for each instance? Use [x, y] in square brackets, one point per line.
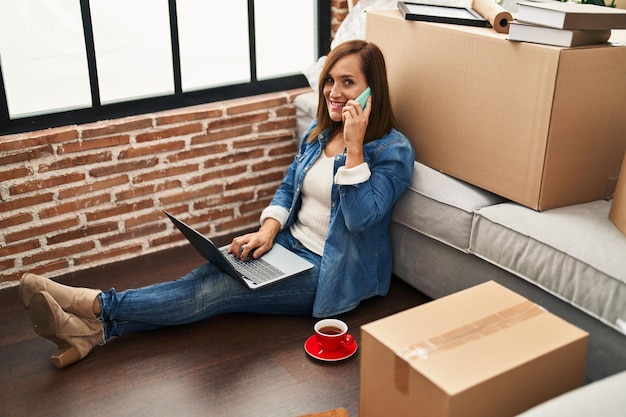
[64, 356]
[74, 336]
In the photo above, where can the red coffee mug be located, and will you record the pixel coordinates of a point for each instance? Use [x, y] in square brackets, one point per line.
[331, 334]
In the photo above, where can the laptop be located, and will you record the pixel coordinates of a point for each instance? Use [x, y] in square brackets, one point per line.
[275, 265]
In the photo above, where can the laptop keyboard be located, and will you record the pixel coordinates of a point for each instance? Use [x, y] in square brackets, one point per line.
[257, 270]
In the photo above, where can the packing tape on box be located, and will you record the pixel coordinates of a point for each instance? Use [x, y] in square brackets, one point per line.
[494, 13]
[454, 338]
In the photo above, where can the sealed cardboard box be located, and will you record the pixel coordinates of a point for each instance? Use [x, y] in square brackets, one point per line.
[617, 214]
[540, 125]
[485, 351]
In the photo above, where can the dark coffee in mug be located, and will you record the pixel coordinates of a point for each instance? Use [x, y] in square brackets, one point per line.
[330, 330]
[331, 334]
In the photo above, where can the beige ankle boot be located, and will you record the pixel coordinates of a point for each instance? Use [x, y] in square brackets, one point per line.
[77, 301]
[74, 336]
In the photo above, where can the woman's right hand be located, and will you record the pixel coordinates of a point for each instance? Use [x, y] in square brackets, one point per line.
[257, 243]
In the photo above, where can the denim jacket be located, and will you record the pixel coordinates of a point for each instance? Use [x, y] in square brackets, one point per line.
[357, 254]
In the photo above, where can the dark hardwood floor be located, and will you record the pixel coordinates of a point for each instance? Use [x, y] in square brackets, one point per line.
[236, 365]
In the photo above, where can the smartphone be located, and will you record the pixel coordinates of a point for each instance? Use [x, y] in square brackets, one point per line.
[362, 98]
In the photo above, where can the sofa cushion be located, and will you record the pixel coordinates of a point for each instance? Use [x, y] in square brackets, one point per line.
[601, 398]
[440, 206]
[306, 109]
[573, 252]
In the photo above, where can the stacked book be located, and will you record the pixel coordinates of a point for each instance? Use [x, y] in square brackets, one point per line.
[565, 23]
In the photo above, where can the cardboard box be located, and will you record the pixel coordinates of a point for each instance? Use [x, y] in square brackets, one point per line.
[485, 351]
[617, 214]
[539, 125]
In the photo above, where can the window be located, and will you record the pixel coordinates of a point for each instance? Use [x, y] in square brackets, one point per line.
[67, 62]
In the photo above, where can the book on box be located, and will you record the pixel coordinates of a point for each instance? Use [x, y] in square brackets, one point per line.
[523, 32]
[569, 15]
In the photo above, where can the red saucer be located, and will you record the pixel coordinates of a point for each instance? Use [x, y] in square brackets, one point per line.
[314, 350]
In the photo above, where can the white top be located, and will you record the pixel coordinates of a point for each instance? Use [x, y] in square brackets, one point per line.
[314, 216]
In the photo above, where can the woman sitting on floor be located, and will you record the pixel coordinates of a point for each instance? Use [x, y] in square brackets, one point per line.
[333, 208]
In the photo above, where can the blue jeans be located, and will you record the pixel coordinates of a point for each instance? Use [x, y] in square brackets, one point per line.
[206, 292]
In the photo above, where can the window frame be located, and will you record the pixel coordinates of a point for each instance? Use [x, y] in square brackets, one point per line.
[179, 99]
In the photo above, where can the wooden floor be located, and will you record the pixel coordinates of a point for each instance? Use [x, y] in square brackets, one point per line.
[236, 365]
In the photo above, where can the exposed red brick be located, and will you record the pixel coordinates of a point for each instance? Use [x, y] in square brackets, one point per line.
[34, 139]
[197, 152]
[22, 202]
[141, 191]
[143, 219]
[168, 240]
[108, 255]
[87, 145]
[254, 206]
[133, 233]
[226, 199]
[49, 268]
[277, 125]
[6, 264]
[113, 127]
[288, 112]
[21, 247]
[119, 210]
[76, 161]
[190, 115]
[340, 16]
[240, 223]
[165, 173]
[237, 121]
[23, 155]
[204, 223]
[289, 148]
[210, 191]
[268, 164]
[171, 132]
[218, 174]
[95, 186]
[15, 220]
[75, 206]
[256, 180]
[214, 215]
[265, 139]
[123, 167]
[153, 149]
[82, 232]
[179, 209]
[234, 158]
[43, 229]
[56, 253]
[15, 173]
[216, 135]
[50, 182]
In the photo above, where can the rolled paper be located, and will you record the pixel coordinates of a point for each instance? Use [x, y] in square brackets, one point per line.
[494, 13]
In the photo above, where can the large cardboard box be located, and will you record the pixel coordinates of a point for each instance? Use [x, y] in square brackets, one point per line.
[617, 214]
[543, 126]
[481, 352]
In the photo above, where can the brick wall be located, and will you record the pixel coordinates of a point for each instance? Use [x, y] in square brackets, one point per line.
[79, 196]
[75, 197]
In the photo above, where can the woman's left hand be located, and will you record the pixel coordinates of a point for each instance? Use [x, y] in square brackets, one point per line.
[355, 121]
